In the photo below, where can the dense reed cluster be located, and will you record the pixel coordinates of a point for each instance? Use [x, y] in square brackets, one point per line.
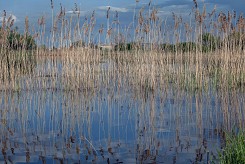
[208, 48]
[163, 77]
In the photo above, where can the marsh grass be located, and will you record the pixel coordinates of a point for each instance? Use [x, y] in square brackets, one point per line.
[234, 149]
[195, 60]
[166, 83]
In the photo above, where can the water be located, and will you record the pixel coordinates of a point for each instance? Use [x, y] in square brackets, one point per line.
[110, 118]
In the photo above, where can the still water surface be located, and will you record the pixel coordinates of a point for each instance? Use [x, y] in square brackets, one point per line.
[110, 121]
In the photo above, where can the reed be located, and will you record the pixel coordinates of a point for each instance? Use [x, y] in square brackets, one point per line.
[158, 82]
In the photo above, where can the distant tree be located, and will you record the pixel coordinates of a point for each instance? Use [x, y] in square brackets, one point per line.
[180, 47]
[78, 43]
[167, 47]
[15, 40]
[186, 46]
[19, 41]
[124, 46]
[209, 42]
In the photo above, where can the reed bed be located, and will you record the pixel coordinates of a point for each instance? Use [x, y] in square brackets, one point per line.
[143, 101]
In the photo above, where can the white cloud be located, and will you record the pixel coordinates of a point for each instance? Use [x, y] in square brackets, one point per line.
[82, 13]
[118, 9]
[14, 18]
[6, 18]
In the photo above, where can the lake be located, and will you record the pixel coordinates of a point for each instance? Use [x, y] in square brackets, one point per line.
[69, 110]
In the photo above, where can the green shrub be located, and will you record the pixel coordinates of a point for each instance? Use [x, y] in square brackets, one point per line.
[19, 41]
[209, 42]
[124, 46]
[234, 151]
[15, 40]
[180, 47]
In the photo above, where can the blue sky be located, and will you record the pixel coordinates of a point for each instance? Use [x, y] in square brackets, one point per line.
[37, 8]
[34, 9]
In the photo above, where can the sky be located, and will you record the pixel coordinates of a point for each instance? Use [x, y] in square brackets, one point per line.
[34, 9]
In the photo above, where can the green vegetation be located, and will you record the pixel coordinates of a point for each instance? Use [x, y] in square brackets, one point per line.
[210, 42]
[198, 76]
[12, 39]
[17, 40]
[234, 151]
[125, 46]
[179, 47]
[207, 43]
[194, 60]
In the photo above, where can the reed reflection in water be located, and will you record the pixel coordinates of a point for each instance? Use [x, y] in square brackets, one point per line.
[106, 112]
